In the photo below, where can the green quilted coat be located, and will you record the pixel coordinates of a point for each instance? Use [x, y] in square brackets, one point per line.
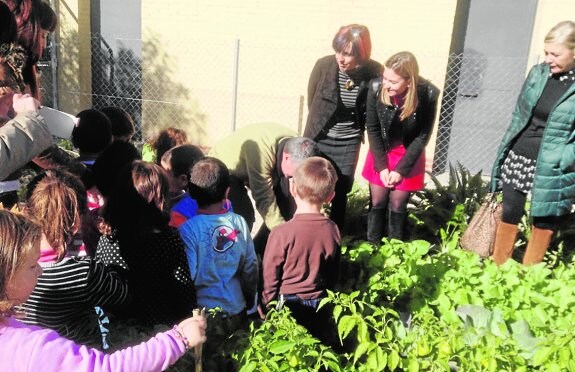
[553, 190]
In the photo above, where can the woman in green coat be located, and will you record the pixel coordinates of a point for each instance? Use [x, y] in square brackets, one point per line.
[537, 154]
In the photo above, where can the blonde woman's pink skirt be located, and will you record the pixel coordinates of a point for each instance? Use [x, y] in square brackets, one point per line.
[412, 182]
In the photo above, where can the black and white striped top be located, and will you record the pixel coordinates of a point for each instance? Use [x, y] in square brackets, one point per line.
[346, 125]
[66, 294]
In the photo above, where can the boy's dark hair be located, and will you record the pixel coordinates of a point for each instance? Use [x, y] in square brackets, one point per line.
[111, 162]
[9, 29]
[93, 133]
[182, 158]
[167, 139]
[209, 181]
[315, 179]
[122, 122]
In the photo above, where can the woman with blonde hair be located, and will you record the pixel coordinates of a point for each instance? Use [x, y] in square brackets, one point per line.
[537, 153]
[400, 116]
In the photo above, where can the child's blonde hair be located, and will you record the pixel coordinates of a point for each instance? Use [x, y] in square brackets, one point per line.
[19, 237]
[57, 200]
[315, 179]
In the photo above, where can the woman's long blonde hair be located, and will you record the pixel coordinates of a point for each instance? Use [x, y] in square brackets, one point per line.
[19, 237]
[405, 65]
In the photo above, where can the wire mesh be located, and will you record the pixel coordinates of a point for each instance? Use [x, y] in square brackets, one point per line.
[475, 110]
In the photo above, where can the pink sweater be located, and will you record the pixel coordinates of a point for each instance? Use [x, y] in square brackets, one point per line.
[30, 348]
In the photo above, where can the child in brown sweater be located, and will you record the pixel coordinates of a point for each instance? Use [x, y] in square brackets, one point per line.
[301, 259]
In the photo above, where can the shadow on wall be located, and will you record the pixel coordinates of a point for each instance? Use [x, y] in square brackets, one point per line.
[117, 79]
[145, 87]
[166, 101]
[70, 74]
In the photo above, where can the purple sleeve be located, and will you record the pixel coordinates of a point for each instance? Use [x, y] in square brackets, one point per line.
[157, 354]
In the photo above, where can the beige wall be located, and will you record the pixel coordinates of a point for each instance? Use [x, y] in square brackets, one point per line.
[279, 43]
[188, 51]
[74, 68]
[549, 13]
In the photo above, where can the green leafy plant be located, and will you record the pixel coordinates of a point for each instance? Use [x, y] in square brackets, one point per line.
[428, 305]
[280, 344]
[356, 212]
[433, 208]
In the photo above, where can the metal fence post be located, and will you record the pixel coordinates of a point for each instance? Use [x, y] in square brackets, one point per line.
[54, 65]
[54, 71]
[300, 116]
[235, 83]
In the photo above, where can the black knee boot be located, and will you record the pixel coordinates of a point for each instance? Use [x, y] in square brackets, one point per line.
[396, 224]
[376, 223]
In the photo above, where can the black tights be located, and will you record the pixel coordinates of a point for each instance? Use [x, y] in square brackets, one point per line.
[514, 206]
[384, 197]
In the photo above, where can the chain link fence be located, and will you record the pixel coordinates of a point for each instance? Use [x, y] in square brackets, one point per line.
[478, 100]
[478, 96]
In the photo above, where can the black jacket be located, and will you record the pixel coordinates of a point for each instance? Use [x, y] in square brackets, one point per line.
[416, 128]
[323, 93]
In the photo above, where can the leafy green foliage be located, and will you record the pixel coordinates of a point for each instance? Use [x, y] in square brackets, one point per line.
[280, 344]
[462, 312]
[427, 304]
[356, 212]
[446, 206]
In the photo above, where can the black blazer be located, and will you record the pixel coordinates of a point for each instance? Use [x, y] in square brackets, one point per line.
[323, 93]
[416, 129]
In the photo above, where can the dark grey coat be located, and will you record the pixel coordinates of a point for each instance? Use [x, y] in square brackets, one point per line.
[323, 94]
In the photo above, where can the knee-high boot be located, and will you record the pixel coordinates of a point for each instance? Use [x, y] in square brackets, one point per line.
[396, 224]
[537, 245]
[504, 242]
[376, 224]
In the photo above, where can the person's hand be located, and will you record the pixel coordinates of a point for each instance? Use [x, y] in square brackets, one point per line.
[384, 177]
[24, 103]
[394, 179]
[194, 330]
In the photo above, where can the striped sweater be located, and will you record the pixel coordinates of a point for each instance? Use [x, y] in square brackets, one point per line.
[345, 124]
[66, 294]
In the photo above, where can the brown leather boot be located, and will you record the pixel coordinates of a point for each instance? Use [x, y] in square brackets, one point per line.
[504, 242]
[537, 245]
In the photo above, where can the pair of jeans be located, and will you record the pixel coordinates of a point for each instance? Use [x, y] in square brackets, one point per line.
[319, 323]
[287, 299]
